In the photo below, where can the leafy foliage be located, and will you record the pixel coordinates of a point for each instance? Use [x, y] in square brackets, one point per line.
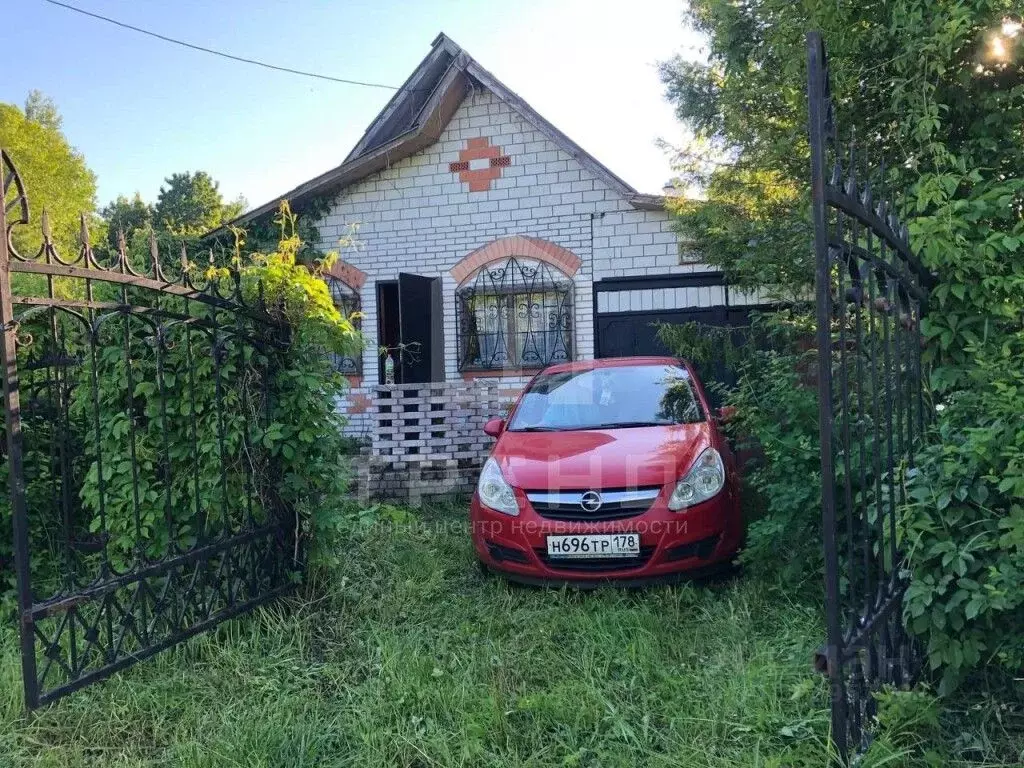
[39, 108]
[191, 204]
[180, 434]
[52, 170]
[936, 89]
[126, 216]
[774, 425]
[964, 526]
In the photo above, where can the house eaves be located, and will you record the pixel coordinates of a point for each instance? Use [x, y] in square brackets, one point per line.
[409, 123]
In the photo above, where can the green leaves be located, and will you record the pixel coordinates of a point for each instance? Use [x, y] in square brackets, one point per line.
[966, 521]
[913, 79]
[172, 448]
[53, 171]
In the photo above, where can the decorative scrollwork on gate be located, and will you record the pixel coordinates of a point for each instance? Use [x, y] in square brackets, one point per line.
[13, 199]
[145, 505]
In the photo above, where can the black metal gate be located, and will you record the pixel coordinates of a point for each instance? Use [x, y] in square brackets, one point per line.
[871, 293]
[144, 507]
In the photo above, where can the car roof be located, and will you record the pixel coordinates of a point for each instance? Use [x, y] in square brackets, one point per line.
[613, 362]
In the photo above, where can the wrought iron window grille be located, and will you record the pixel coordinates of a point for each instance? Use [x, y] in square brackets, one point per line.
[515, 314]
[346, 299]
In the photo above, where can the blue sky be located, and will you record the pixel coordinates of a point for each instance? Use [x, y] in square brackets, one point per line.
[141, 109]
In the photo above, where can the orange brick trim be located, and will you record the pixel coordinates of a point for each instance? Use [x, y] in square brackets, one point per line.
[561, 259]
[351, 276]
[359, 403]
[479, 179]
[354, 380]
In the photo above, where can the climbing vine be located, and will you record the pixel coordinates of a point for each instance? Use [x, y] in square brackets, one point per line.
[186, 431]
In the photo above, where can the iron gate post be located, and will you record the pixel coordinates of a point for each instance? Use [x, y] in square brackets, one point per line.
[15, 463]
[819, 126]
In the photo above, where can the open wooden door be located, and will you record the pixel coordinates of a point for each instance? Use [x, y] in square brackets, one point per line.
[419, 305]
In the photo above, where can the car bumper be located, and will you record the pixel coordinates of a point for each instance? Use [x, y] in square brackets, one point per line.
[702, 539]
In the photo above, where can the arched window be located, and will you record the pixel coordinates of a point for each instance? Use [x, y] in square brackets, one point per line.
[347, 301]
[514, 314]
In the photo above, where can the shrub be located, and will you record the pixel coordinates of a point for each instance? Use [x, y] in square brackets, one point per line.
[963, 527]
[202, 419]
[776, 419]
[934, 88]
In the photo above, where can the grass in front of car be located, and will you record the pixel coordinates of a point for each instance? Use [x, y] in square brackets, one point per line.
[408, 656]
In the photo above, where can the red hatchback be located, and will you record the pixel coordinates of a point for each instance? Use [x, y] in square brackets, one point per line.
[608, 469]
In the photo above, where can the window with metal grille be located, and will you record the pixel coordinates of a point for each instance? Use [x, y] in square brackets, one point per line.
[346, 300]
[514, 314]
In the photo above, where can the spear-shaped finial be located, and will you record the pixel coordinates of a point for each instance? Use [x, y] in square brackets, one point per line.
[83, 230]
[45, 225]
[154, 253]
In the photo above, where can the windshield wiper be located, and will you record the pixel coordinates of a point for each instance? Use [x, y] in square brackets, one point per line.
[622, 424]
[536, 429]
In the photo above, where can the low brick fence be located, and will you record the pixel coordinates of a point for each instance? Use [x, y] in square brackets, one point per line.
[427, 440]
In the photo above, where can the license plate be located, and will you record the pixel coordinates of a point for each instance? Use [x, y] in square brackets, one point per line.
[595, 545]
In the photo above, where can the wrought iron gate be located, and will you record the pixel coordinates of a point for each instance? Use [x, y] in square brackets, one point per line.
[871, 293]
[144, 505]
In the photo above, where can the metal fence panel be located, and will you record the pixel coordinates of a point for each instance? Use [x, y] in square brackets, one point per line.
[145, 507]
[871, 294]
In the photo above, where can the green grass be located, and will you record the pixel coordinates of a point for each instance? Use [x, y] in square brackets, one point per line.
[408, 656]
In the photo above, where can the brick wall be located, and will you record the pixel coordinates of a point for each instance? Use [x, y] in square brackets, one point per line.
[491, 175]
[428, 439]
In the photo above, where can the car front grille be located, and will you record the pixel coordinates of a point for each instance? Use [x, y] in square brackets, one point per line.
[595, 564]
[616, 504]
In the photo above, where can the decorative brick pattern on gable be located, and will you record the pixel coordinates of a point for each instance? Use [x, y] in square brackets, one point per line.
[479, 151]
[535, 248]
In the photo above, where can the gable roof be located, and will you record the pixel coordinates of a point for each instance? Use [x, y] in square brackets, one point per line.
[416, 116]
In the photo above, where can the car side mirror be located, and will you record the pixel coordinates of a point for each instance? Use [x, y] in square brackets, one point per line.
[494, 427]
[726, 413]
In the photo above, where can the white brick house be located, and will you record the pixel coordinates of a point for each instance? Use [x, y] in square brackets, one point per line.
[489, 243]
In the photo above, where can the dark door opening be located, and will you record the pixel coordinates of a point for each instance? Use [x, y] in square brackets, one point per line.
[388, 330]
[409, 325]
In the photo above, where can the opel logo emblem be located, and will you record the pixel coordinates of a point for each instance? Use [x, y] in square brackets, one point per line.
[591, 501]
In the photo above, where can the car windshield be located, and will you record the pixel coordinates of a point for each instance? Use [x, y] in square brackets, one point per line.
[608, 398]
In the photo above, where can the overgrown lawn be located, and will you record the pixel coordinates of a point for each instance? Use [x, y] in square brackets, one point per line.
[408, 656]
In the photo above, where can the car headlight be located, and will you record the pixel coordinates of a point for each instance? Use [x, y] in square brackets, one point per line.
[494, 490]
[704, 480]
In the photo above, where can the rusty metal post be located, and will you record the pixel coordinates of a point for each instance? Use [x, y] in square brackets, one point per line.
[15, 459]
[818, 124]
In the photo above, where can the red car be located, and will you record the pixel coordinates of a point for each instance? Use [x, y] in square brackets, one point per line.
[608, 469]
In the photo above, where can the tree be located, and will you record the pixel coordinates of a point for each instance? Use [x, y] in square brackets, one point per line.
[127, 216]
[936, 89]
[191, 204]
[55, 174]
[39, 108]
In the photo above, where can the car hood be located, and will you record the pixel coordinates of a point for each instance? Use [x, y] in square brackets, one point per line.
[605, 458]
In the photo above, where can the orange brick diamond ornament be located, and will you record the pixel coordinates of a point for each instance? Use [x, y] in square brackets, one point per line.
[479, 164]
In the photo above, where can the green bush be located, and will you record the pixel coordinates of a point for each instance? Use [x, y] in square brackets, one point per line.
[963, 528]
[936, 90]
[166, 446]
[777, 412]
[775, 419]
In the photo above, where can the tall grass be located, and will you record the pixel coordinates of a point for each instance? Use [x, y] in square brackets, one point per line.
[408, 656]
